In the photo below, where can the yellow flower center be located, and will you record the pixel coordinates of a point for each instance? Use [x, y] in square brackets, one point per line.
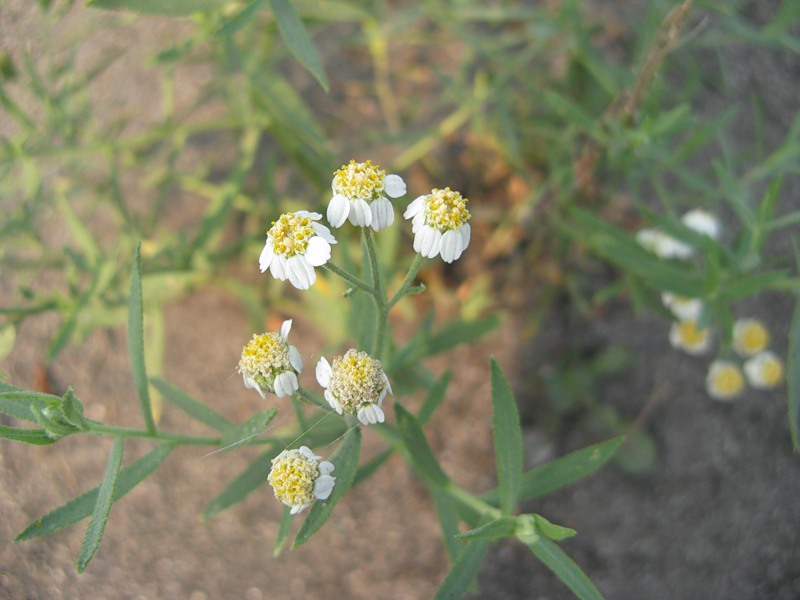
[727, 381]
[359, 181]
[771, 372]
[751, 337]
[292, 478]
[290, 234]
[690, 335]
[357, 380]
[264, 358]
[446, 209]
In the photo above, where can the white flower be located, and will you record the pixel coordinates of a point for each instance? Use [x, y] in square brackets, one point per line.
[440, 225]
[750, 336]
[298, 478]
[684, 309]
[355, 384]
[296, 244]
[359, 194]
[703, 223]
[663, 245]
[270, 364]
[685, 335]
[724, 380]
[764, 370]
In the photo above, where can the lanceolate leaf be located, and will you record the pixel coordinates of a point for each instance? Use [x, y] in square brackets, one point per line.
[102, 508]
[170, 8]
[136, 341]
[37, 437]
[794, 378]
[249, 480]
[253, 426]
[434, 398]
[81, 507]
[507, 440]
[191, 406]
[565, 568]
[345, 460]
[499, 528]
[18, 403]
[463, 572]
[297, 40]
[417, 446]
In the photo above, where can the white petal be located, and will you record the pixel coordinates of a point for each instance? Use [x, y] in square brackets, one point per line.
[370, 414]
[338, 209]
[702, 222]
[323, 486]
[251, 385]
[306, 451]
[415, 207]
[360, 214]
[333, 402]
[295, 359]
[427, 241]
[465, 230]
[278, 267]
[285, 384]
[318, 251]
[266, 256]
[451, 245]
[382, 213]
[324, 233]
[323, 372]
[314, 216]
[286, 327]
[326, 468]
[301, 273]
[296, 509]
[394, 186]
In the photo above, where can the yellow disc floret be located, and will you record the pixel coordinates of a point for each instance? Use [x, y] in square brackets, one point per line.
[290, 234]
[725, 380]
[446, 209]
[690, 335]
[292, 478]
[363, 181]
[357, 380]
[750, 336]
[263, 358]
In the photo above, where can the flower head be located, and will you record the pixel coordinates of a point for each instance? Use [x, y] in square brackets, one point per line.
[356, 384]
[764, 370]
[270, 364]
[298, 478]
[360, 193]
[296, 244]
[440, 224]
[663, 244]
[750, 336]
[684, 309]
[703, 222]
[686, 336]
[724, 380]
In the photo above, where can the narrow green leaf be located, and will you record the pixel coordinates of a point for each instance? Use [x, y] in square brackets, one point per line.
[794, 378]
[240, 19]
[345, 460]
[463, 572]
[434, 398]
[507, 435]
[367, 469]
[551, 530]
[72, 410]
[459, 332]
[102, 508]
[285, 528]
[136, 340]
[18, 403]
[81, 507]
[37, 437]
[564, 568]
[417, 446]
[448, 521]
[234, 438]
[8, 337]
[562, 471]
[170, 8]
[191, 406]
[499, 528]
[296, 39]
[249, 480]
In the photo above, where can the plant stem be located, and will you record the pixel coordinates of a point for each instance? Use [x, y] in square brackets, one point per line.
[355, 281]
[409, 279]
[379, 296]
[165, 436]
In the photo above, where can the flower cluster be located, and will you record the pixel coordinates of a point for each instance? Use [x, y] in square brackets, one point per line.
[666, 246]
[298, 478]
[359, 195]
[356, 384]
[270, 364]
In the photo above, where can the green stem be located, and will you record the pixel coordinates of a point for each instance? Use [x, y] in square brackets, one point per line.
[409, 279]
[354, 281]
[165, 436]
[379, 296]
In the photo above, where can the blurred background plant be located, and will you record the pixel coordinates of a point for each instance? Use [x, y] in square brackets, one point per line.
[570, 128]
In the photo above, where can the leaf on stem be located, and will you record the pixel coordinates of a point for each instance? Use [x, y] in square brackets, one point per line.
[496, 529]
[102, 508]
[434, 398]
[463, 572]
[249, 480]
[37, 437]
[191, 406]
[417, 446]
[81, 507]
[345, 460]
[17, 403]
[136, 340]
[794, 378]
[170, 8]
[507, 435]
[296, 38]
[564, 568]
